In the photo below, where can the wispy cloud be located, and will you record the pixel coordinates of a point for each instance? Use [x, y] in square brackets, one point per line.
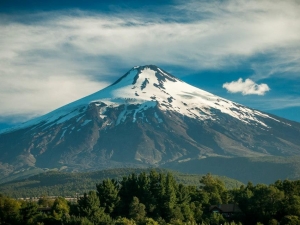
[49, 59]
[247, 87]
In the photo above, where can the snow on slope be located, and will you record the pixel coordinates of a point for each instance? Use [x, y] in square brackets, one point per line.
[148, 86]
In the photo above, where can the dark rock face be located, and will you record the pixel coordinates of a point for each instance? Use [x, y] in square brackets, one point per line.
[101, 136]
[155, 138]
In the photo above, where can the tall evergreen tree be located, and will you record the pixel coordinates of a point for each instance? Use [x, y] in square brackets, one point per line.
[169, 198]
[108, 193]
[143, 185]
[129, 188]
[89, 206]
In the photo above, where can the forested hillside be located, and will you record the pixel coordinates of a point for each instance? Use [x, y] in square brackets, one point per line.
[55, 183]
[265, 169]
[157, 198]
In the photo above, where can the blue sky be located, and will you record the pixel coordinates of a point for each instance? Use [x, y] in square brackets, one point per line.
[54, 52]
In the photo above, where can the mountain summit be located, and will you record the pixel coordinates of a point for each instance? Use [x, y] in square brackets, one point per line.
[150, 86]
[147, 117]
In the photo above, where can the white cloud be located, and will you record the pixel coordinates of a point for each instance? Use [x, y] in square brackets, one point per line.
[38, 94]
[247, 87]
[49, 59]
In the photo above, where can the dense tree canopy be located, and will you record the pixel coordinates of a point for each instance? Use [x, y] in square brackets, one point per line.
[157, 198]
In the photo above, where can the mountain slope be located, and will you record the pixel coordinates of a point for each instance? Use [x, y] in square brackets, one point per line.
[146, 118]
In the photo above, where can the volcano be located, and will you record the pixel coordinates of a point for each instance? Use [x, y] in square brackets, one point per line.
[148, 117]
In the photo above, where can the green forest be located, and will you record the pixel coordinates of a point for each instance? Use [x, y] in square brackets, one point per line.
[157, 198]
[58, 183]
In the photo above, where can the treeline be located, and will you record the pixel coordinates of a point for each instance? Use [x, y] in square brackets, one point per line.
[57, 183]
[157, 198]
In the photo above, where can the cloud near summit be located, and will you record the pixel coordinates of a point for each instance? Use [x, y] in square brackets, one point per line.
[78, 52]
[247, 87]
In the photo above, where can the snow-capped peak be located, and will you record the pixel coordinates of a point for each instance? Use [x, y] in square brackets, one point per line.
[150, 86]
